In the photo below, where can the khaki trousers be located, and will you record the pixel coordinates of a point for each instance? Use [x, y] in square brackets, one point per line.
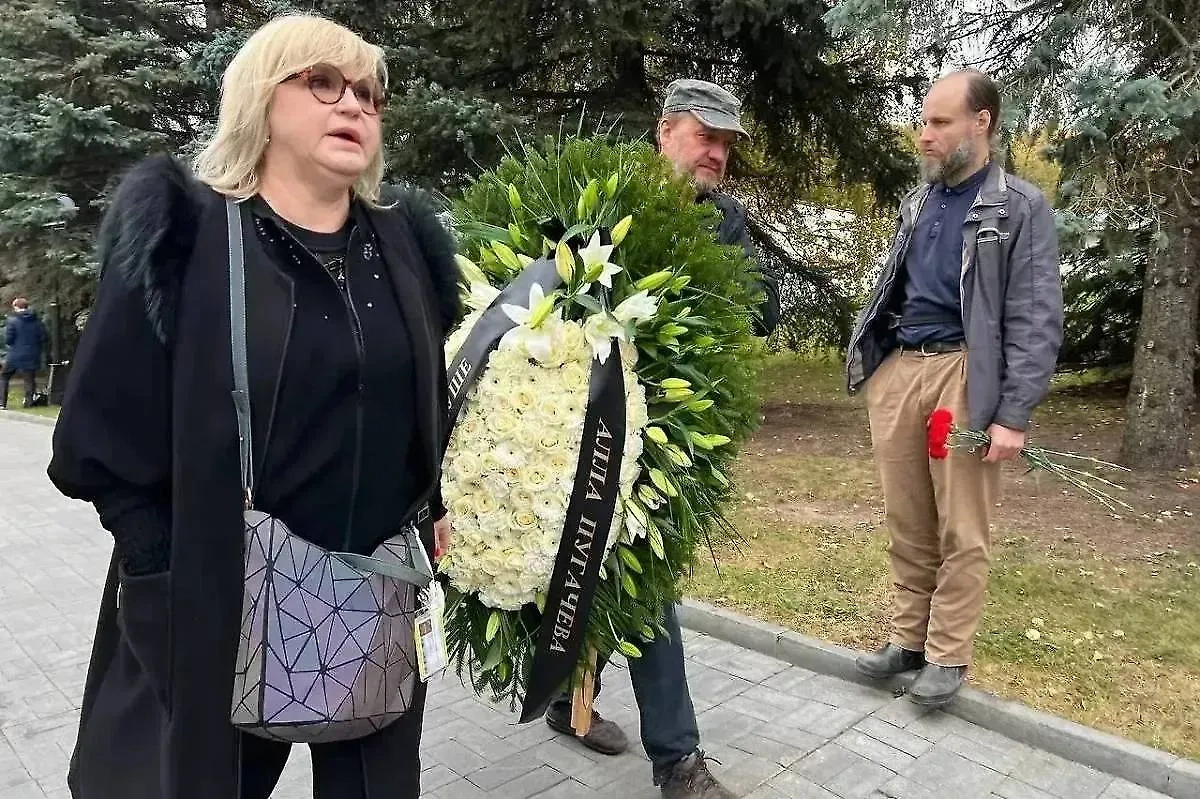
[937, 511]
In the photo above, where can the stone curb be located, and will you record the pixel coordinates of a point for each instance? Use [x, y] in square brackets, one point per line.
[28, 418]
[1151, 768]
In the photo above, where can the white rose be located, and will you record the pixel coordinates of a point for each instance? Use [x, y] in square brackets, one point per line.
[560, 462]
[461, 506]
[488, 463]
[522, 398]
[464, 466]
[508, 456]
[469, 427]
[536, 478]
[483, 502]
[523, 523]
[501, 403]
[549, 410]
[575, 374]
[571, 340]
[549, 439]
[503, 423]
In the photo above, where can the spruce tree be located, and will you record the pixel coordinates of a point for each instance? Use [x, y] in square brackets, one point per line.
[86, 89]
[89, 86]
[473, 75]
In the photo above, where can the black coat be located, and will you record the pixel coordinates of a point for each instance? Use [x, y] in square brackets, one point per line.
[733, 230]
[148, 433]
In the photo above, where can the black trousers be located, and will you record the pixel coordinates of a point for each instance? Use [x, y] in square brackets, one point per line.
[30, 383]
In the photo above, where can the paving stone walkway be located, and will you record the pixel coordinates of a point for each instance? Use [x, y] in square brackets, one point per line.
[780, 732]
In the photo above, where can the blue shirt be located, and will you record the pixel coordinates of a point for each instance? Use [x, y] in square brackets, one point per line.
[933, 264]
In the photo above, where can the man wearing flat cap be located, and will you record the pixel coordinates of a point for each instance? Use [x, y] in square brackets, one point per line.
[699, 124]
[698, 127]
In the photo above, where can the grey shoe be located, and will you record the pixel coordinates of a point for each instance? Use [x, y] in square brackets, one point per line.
[889, 661]
[936, 685]
[605, 737]
[691, 779]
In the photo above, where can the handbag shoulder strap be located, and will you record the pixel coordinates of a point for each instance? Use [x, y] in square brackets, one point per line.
[421, 574]
[237, 331]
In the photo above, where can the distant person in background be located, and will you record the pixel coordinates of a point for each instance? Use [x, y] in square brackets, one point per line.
[25, 339]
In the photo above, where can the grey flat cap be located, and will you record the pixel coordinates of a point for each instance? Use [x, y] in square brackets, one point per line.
[711, 104]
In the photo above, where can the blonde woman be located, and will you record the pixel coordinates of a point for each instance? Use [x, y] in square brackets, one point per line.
[349, 290]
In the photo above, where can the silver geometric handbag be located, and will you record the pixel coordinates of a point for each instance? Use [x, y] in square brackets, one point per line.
[327, 649]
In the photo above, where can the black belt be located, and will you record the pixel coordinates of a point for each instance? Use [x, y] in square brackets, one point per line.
[895, 321]
[934, 347]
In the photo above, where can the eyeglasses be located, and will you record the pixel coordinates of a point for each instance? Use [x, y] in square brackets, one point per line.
[328, 85]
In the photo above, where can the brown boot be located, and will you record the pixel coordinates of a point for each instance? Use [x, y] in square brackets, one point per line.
[691, 779]
[605, 737]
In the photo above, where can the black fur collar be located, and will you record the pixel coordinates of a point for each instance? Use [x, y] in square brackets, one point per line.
[150, 230]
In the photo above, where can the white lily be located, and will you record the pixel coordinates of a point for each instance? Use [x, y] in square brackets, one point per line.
[599, 330]
[537, 343]
[636, 308]
[537, 325]
[481, 296]
[539, 308]
[595, 256]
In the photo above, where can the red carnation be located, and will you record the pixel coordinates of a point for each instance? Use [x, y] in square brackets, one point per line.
[938, 429]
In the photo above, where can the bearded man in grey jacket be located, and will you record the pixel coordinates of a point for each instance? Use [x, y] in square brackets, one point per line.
[966, 315]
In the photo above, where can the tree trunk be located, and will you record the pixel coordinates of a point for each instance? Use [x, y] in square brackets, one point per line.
[214, 14]
[1162, 393]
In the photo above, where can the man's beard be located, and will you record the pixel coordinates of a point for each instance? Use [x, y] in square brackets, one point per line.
[705, 184]
[951, 169]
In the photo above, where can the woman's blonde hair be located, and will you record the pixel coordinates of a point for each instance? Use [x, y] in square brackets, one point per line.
[279, 49]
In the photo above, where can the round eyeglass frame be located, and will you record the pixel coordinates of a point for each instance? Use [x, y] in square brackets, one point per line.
[332, 95]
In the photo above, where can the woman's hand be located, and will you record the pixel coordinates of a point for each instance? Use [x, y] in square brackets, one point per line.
[442, 530]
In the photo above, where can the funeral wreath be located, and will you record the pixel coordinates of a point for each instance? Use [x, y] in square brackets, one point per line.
[599, 387]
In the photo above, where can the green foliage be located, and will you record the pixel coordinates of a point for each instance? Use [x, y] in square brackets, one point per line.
[826, 249]
[818, 110]
[89, 87]
[1029, 157]
[1117, 87]
[694, 358]
[85, 90]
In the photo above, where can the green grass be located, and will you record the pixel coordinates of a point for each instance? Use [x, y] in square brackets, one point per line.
[1106, 637]
[1116, 645]
[16, 399]
[798, 477]
[802, 378]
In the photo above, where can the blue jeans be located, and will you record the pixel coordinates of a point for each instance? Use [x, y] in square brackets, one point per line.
[669, 731]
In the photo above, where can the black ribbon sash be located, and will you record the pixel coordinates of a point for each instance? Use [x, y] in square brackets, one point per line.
[593, 497]
[585, 533]
[473, 356]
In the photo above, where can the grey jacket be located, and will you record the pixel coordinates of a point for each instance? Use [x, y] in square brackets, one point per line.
[1011, 295]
